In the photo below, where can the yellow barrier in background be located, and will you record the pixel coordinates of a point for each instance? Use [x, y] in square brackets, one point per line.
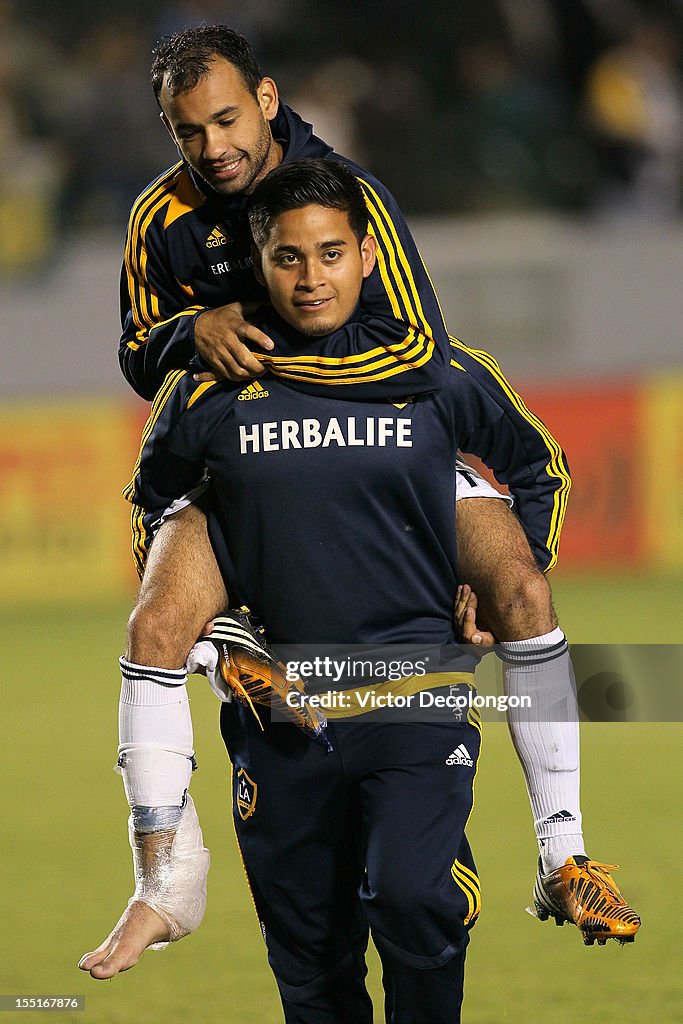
[64, 527]
[661, 463]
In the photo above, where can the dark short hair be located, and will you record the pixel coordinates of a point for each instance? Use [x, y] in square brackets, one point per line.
[302, 183]
[184, 59]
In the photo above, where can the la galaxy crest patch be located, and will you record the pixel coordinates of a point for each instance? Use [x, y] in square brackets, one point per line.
[247, 791]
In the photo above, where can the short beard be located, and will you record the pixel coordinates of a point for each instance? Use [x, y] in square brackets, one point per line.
[256, 161]
[318, 330]
[262, 158]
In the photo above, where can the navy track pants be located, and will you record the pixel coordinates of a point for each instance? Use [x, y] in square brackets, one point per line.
[370, 836]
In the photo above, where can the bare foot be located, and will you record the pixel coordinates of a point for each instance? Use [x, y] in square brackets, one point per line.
[138, 927]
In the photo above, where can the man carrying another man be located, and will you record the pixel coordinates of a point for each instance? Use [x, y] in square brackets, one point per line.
[221, 112]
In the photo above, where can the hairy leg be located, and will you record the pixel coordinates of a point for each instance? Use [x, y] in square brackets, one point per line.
[182, 589]
[515, 601]
[494, 557]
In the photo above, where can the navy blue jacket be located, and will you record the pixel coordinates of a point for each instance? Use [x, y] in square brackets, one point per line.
[189, 249]
[334, 520]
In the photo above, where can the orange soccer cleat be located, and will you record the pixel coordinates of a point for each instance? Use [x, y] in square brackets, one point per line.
[584, 893]
[255, 676]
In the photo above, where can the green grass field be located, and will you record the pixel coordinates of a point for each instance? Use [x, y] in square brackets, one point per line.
[66, 870]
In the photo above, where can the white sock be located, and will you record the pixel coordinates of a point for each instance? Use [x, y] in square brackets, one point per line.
[156, 752]
[546, 738]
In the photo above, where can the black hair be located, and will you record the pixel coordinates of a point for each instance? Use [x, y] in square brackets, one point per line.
[302, 183]
[183, 59]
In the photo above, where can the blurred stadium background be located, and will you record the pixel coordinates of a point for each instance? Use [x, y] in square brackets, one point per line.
[537, 149]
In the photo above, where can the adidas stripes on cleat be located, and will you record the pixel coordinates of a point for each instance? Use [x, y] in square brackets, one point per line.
[254, 676]
[584, 893]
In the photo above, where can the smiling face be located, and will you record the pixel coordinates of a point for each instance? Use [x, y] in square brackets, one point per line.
[314, 266]
[222, 129]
